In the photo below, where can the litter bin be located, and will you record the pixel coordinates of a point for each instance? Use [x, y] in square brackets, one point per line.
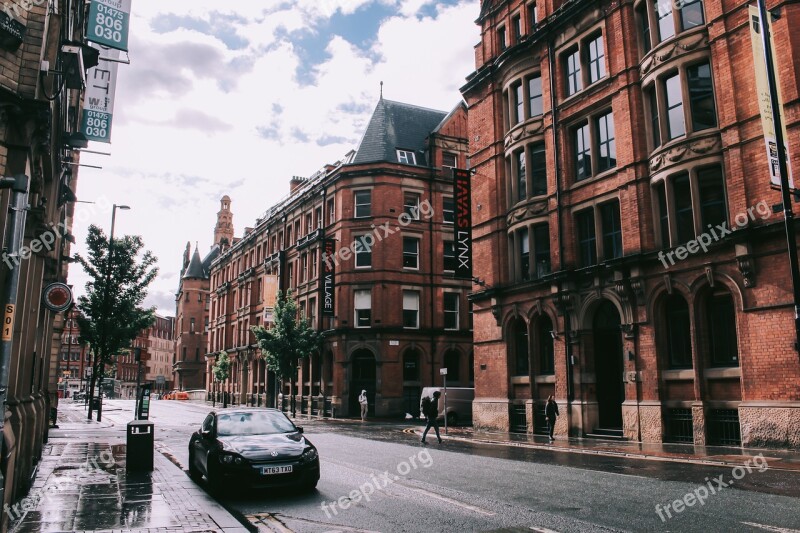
[139, 451]
[95, 404]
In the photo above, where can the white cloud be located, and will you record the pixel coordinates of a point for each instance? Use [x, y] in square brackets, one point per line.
[189, 111]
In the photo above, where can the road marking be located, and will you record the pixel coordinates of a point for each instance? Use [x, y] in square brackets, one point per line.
[271, 522]
[543, 530]
[451, 501]
[771, 528]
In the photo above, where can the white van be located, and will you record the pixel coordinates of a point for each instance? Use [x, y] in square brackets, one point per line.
[459, 403]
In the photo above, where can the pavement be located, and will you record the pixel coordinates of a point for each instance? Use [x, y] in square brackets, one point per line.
[82, 484]
[679, 453]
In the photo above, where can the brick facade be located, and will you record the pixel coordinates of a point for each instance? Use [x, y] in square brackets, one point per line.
[33, 126]
[587, 289]
[390, 353]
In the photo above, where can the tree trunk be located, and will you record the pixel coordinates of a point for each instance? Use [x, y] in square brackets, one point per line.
[100, 393]
[91, 387]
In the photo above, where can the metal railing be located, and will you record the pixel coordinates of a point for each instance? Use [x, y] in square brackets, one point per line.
[723, 427]
[680, 426]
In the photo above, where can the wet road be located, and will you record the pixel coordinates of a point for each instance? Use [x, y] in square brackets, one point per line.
[479, 487]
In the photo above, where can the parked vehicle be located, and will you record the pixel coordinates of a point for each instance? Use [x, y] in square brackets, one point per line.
[459, 403]
[254, 447]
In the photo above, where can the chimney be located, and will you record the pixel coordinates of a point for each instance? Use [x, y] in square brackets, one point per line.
[295, 183]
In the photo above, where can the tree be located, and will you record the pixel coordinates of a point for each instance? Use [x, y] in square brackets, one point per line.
[288, 340]
[221, 371]
[111, 310]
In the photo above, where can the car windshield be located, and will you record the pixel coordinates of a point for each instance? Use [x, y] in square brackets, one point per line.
[254, 423]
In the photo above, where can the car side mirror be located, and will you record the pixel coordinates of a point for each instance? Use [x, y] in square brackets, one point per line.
[206, 433]
[299, 429]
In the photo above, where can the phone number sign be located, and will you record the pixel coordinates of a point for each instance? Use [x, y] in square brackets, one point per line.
[109, 22]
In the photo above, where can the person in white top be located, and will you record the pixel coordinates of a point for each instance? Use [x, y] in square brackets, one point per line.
[362, 399]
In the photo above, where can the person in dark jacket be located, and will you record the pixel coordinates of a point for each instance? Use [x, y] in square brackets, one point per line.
[430, 408]
[551, 412]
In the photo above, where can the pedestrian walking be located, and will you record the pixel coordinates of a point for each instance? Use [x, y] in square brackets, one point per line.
[362, 399]
[551, 412]
[430, 408]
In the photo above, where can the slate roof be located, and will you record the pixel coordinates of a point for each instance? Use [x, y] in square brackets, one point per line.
[201, 269]
[394, 126]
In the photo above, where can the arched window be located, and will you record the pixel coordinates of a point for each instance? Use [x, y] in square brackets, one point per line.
[721, 324]
[452, 362]
[519, 347]
[678, 331]
[411, 365]
[544, 327]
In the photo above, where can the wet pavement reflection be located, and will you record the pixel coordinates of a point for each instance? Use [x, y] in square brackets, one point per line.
[89, 489]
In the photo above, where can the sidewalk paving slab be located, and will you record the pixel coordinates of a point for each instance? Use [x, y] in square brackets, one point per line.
[83, 486]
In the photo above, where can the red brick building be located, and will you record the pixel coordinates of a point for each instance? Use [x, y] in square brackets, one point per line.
[608, 140]
[192, 305]
[156, 348]
[396, 314]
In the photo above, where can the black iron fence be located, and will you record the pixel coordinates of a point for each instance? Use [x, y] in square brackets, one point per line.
[518, 419]
[723, 427]
[680, 426]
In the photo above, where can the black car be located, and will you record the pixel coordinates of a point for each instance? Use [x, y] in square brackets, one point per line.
[253, 447]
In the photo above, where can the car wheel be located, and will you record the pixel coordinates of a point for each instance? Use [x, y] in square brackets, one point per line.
[214, 480]
[452, 419]
[194, 473]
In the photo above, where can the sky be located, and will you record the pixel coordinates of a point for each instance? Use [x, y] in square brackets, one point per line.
[236, 97]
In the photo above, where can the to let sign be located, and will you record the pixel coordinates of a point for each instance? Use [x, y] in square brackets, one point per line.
[109, 22]
[98, 100]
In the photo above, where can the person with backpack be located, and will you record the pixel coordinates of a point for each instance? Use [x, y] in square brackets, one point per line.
[430, 408]
[551, 412]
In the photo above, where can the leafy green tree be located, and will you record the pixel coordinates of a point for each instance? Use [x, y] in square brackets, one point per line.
[111, 310]
[221, 371]
[289, 340]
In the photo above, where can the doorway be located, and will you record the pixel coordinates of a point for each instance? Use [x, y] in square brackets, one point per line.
[608, 366]
[362, 377]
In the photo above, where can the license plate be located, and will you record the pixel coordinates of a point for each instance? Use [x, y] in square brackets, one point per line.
[268, 470]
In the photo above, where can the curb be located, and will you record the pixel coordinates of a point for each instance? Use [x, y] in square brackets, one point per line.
[229, 521]
[605, 453]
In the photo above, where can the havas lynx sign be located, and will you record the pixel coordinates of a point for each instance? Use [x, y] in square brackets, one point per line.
[98, 101]
[462, 189]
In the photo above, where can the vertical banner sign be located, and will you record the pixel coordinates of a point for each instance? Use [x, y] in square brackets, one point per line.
[462, 189]
[98, 100]
[109, 22]
[765, 102]
[328, 269]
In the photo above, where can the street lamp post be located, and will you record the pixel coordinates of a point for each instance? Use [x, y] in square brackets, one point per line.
[104, 334]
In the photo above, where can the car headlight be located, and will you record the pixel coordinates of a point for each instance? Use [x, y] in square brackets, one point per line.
[309, 455]
[231, 459]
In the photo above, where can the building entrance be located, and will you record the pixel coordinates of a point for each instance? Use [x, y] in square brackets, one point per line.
[608, 366]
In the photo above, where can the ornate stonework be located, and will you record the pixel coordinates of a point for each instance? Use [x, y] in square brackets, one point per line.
[684, 151]
[528, 211]
[529, 129]
[677, 48]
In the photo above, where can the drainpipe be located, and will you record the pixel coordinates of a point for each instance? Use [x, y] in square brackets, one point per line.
[430, 263]
[17, 208]
[556, 154]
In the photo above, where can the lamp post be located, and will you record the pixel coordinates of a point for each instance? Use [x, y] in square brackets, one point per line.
[104, 335]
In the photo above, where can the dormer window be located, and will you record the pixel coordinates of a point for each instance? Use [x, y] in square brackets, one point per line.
[406, 157]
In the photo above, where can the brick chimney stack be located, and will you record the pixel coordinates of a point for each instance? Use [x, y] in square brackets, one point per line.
[295, 183]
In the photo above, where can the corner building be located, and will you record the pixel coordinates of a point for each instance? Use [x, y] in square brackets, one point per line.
[398, 315]
[606, 137]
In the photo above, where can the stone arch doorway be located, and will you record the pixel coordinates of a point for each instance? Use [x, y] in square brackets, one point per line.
[362, 377]
[608, 365]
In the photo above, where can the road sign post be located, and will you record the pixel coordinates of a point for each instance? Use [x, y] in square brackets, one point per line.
[443, 372]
